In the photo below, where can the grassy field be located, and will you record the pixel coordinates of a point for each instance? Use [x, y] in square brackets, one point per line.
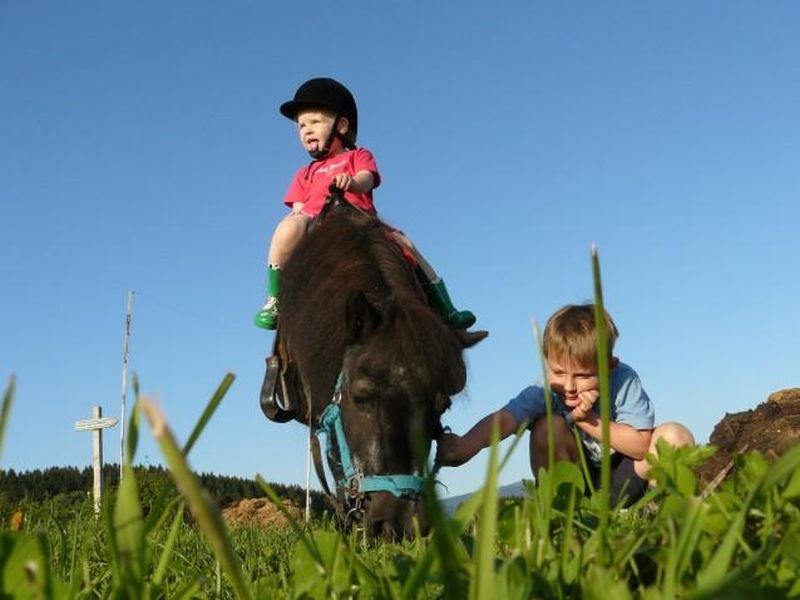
[740, 540]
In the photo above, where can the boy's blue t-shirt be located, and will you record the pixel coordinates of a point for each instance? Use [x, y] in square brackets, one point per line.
[630, 405]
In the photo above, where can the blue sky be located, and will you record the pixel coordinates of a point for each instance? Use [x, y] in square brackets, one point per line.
[141, 149]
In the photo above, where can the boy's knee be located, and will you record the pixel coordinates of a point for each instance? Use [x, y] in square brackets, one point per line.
[562, 437]
[675, 434]
[539, 430]
[292, 226]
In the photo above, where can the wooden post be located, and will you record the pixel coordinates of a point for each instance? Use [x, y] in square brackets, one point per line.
[96, 425]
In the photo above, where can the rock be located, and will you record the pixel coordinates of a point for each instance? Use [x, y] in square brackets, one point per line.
[771, 428]
[259, 511]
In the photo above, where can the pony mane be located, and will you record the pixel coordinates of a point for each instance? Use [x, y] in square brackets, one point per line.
[350, 253]
[419, 334]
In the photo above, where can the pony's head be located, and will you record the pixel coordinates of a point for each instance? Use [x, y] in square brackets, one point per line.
[401, 366]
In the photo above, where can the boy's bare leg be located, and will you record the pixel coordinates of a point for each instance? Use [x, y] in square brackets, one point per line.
[565, 448]
[424, 265]
[435, 287]
[674, 433]
[288, 233]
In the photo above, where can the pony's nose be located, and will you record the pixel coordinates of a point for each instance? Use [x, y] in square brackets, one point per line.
[388, 516]
[385, 529]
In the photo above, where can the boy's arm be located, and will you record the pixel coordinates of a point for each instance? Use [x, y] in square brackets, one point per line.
[454, 450]
[623, 438]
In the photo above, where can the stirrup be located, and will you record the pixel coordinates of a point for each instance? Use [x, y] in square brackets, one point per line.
[274, 407]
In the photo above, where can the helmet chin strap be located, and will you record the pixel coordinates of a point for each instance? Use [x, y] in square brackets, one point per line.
[319, 154]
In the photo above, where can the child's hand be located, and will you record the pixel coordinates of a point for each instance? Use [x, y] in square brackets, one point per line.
[450, 450]
[343, 181]
[582, 405]
[297, 207]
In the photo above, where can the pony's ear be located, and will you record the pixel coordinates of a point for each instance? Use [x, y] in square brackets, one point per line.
[470, 338]
[362, 318]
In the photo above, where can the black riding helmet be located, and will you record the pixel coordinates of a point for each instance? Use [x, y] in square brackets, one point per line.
[327, 94]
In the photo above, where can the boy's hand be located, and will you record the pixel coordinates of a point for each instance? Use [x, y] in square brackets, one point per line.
[297, 207]
[581, 406]
[360, 183]
[450, 450]
[343, 181]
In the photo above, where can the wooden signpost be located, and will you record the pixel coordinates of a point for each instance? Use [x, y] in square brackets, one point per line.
[96, 425]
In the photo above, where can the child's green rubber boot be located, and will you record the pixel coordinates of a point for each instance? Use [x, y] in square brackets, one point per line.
[438, 296]
[267, 317]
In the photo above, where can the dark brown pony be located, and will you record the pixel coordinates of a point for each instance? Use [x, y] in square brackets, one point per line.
[353, 311]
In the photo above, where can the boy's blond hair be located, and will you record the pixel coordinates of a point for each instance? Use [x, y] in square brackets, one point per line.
[570, 334]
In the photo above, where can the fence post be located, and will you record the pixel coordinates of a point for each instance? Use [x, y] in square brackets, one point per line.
[96, 425]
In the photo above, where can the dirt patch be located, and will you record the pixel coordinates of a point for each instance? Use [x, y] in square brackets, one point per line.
[259, 511]
[771, 428]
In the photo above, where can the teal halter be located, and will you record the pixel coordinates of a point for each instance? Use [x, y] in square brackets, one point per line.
[354, 481]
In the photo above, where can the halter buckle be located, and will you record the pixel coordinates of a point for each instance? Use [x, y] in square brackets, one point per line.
[353, 486]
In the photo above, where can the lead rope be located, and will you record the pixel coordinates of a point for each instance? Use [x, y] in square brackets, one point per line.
[308, 477]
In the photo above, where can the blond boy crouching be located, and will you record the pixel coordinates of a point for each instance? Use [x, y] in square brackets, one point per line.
[570, 350]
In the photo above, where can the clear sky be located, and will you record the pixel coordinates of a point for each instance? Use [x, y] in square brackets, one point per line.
[141, 149]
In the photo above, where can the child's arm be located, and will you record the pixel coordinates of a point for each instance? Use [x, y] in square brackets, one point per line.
[623, 438]
[454, 450]
[360, 183]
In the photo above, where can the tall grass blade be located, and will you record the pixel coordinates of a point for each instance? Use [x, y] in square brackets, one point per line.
[582, 462]
[782, 468]
[723, 586]
[211, 407]
[169, 545]
[129, 532]
[415, 582]
[605, 401]
[189, 590]
[74, 579]
[445, 546]
[482, 583]
[551, 443]
[203, 509]
[133, 424]
[305, 539]
[5, 410]
[684, 543]
[162, 500]
[566, 572]
[114, 560]
[548, 398]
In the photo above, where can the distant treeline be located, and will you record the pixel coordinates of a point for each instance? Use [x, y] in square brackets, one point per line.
[41, 485]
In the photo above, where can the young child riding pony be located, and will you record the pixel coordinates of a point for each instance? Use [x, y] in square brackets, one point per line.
[327, 122]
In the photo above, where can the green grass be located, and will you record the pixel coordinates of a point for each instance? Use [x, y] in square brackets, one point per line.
[740, 541]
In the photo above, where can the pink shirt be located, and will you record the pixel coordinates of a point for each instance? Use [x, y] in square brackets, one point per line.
[310, 183]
